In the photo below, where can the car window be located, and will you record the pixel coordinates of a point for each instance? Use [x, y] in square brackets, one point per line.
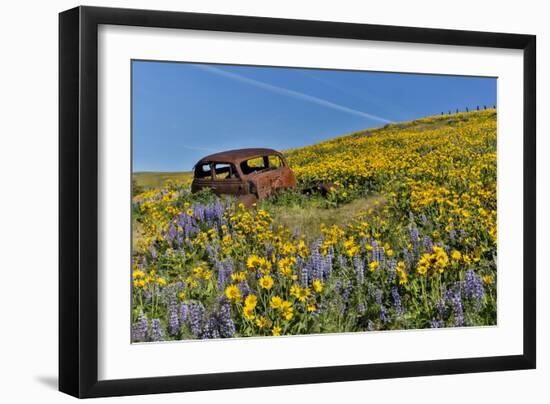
[203, 171]
[254, 164]
[225, 171]
[275, 162]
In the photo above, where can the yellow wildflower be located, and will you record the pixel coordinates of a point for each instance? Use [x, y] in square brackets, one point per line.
[317, 286]
[233, 293]
[276, 302]
[266, 282]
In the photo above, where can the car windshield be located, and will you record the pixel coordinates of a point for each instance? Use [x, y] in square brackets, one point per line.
[225, 171]
[256, 164]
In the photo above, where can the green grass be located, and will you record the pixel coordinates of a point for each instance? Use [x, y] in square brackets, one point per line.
[150, 179]
[307, 216]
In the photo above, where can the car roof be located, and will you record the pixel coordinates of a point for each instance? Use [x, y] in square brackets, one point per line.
[238, 155]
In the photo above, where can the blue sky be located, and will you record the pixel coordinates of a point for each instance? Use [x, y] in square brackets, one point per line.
[183, 111]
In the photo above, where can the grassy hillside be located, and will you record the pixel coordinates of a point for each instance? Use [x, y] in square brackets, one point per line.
[151, 179]
[405, 239]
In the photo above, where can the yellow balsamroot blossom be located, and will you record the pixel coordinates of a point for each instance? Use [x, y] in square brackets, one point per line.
[287, 310]
[276, 331]
[264, 265]
[233, 293]
[401, 273]
[351, 247]
[248, 313]
[303, 249]
[456, 255]
[138, 274]
[488, 279]
[294, 290]
[239, 276]
[288, 249]
[251, 301]
[317, 285]
[286, 266]
[263, 322]
[441, 257]
[430, 264]
[311, 307]
[253, 262]
[276, 302]
[374, 265]
[161, 281]
[302, 294]
[266, 282]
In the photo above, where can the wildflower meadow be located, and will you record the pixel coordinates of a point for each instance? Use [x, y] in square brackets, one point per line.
[405, 239]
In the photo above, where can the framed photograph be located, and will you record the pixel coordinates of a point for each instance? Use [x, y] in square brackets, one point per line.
[251, 201]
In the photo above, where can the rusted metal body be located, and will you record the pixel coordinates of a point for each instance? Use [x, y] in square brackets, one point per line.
[249, 174]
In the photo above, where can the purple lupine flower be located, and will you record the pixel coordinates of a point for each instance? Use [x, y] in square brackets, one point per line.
[224, 270]
[196, 312]
[441, 308]
[437, 324]
[452, 235]
[222, 277]
[407, 255]
[173, 319]
[378, 298]
[212, 251]
[210, 328]
[428, 244]
[328, 263]
[392, 270]
[359, 270]
[473, 288]
[156, 331]
[396, 301]
[244, 288]
[424, 218]
[226, 324]
[381, 257]
[153, 252]
[361, 308]
[370, 325]
[315, 263]
[337, 286]
[304, 276]
[455, 300]
[374, 251]
[171, 233]
[346, 292]
[342, 262]
[184, 312]
[414, 235]
[140, 330]
[370, 290]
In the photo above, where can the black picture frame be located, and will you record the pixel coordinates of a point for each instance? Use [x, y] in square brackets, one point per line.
[78, 201]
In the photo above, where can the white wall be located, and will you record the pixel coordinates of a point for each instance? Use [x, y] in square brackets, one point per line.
[28, 197]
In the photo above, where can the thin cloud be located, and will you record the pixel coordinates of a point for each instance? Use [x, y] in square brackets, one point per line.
[371, 99]
[292, 93]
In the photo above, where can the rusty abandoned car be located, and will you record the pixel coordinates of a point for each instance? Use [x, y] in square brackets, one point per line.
[248, 174]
